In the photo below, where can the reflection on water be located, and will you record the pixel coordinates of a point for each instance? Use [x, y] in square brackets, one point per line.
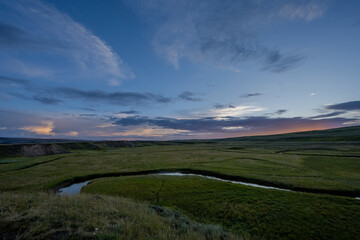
[73, 189]
[220, 179]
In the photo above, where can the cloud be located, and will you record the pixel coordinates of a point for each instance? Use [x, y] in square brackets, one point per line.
[309, 11]
[129, 112]
[280, 111]
[233, 128]
[37, 98]
[19, 124]
[223, 33]
[38, 28]
[46, 100]
[233, 111]
[71, 134]
[46, 95]
[14, 81]
[247, 95]
[354, 122]
[333, 114]
[115, 98]
[222, 106]
[148, 131]
[346, 106]
[277, 62]
[241, 126]
[11, 35]
[189, 96]
[45, 129]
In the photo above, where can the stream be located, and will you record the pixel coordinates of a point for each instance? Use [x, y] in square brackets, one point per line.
[75, 188]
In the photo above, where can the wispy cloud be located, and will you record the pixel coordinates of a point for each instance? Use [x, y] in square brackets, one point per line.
[233, 111]
[280, 111]
[46, 100]
[116, 98]
[247, 95]
[14, 81]
[38, 98]
[307, 11]
[224, 33]
[278, 62]
[56, 95]
[39, 28]
[346, 106]
[189, 96]
[222, 106]
[332, 114]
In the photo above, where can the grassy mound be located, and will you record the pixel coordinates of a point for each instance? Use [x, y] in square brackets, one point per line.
[48, 216]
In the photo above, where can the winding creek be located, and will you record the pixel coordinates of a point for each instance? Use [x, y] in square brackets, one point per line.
[75, 188]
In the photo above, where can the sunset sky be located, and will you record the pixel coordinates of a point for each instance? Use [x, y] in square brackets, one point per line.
[167, 69]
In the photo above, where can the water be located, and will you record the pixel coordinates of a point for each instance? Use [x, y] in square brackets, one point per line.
[76, 187]
[220, 179]
[73, 189]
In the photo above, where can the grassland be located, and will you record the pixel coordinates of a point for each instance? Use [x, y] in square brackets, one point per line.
[262, 213]
[44, 216]
[324, 161]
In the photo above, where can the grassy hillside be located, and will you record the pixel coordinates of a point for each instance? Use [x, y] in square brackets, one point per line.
[44, 216]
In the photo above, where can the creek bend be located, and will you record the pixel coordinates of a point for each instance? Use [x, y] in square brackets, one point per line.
[75, 187]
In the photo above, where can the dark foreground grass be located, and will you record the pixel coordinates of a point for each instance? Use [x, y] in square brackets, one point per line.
[47, 216]
[261, 213]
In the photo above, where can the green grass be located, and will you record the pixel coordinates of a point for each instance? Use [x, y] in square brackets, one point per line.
[309, 171]
[44, 216]
[317, 161]
[262, 213]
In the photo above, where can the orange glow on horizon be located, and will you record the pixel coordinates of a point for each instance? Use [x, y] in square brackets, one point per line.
[290, 129]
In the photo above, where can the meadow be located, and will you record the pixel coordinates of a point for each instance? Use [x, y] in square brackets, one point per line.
[323, 165]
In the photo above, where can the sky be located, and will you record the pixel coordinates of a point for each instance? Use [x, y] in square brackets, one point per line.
[167, 69]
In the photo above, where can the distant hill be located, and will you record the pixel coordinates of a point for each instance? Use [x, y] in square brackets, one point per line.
[4, 140]
[335, 134]
[39, 147]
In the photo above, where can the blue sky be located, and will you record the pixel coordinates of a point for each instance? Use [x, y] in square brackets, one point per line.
[161, 69]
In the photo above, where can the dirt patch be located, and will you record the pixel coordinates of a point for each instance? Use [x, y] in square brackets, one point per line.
[41, 150]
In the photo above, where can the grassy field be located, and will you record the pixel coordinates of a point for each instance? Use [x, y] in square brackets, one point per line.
[263, 213]
[322, 161]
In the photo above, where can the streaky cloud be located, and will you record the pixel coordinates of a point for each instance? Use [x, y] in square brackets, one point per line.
[346, 106]
[277, 62]
[189, 96]
[11, 35]
[333, 114]
[116, 98]
[224, 33]
[46, 100]
[247, 95]
[280, 112]
[39, 28]
[222, 106]
[14, 81]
